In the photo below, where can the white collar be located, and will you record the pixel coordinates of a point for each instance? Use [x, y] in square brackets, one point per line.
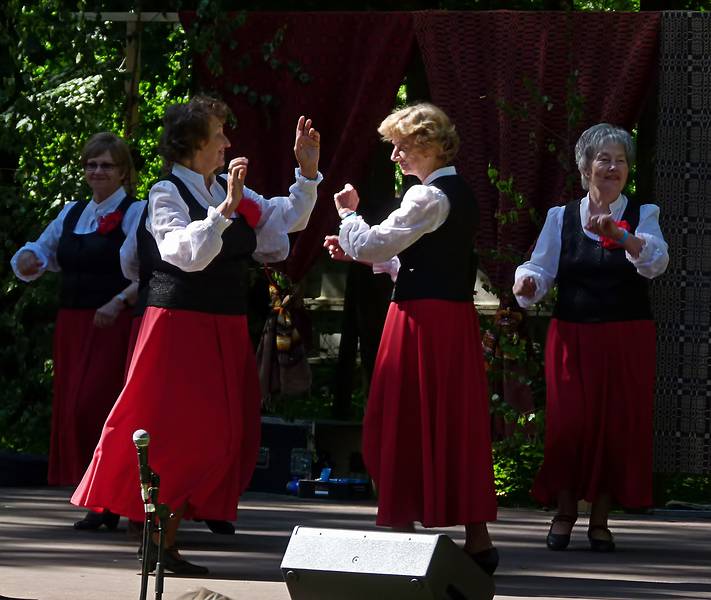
[197, 179]
[616, 208]
[441, 172]
[110, 204]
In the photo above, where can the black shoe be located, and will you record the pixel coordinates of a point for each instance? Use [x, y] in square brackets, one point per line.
[560, 541]
[598, 545]
[93, 520]
[220, 527]
[487, 559]
[172, 561]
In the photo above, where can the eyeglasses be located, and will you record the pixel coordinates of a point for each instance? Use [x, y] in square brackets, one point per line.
[92, 165]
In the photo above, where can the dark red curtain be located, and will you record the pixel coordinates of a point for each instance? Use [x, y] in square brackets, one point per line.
[504, 77]
[354, 63]
[490, 71]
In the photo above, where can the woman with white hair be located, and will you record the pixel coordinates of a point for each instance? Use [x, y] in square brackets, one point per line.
[601, 251]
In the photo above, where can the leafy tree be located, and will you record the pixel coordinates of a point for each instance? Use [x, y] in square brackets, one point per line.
[63, 80]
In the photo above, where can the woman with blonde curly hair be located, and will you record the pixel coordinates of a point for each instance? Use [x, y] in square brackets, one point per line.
[426, 438]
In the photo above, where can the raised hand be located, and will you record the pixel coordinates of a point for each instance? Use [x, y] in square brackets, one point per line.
[307, 147]
[236, 174]
[335, 251]
[525, 287]
[346, 200]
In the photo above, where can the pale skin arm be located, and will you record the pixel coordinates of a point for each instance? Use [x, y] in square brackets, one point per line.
[346, 201]
[604, 225]
[236, 174]
[28, 264]
[334, 249]
[525, 287]
[307, 148]
[107, 314]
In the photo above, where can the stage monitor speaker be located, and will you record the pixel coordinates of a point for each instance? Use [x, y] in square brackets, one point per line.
[339, 564]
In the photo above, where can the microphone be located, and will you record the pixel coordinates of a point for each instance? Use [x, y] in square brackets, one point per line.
[141, 439]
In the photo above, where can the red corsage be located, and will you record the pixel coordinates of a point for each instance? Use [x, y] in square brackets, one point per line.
[250, 211]
[611, 244]
[109, 222]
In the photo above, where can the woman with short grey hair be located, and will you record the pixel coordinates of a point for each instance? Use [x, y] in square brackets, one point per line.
[593, 140]
[601, 251]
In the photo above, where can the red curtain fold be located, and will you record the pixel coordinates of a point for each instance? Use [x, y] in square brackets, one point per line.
[354, 62]
[481, 66]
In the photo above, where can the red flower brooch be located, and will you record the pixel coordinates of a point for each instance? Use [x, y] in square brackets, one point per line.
[109, 222]
[250, 211]
[609, 243]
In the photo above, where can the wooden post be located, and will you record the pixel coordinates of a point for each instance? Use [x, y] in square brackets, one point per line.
[133, 68]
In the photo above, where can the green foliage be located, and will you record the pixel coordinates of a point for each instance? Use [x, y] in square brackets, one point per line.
[514, 357]
[517, 459]
[682, 487]
[63, 81]
[514, 361]
[317, 403]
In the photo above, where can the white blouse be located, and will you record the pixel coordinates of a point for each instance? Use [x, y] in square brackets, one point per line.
[192, 245]
[543, 265]
[422, 210]
[45, 247]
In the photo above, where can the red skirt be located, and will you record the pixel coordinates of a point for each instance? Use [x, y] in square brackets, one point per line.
[132, 339]
[600, 397]
[192, 385]
[426, 434]
[88, 377]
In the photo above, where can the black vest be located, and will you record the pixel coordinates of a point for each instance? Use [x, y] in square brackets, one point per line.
[90, 262]
[219, 288]
[596, 284]
[144, 240]
[441, 265]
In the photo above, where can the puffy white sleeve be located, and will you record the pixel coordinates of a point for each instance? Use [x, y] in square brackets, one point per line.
[282, 215]
[45, 247]
[543, 265]
[129, 250]
[654, 257]
[391, 267]
[423, 209]
[188, 245]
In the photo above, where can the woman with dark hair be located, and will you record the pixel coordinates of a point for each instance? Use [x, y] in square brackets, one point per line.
[92, 327]
[426, 439]
[192, 383]
[601, 349]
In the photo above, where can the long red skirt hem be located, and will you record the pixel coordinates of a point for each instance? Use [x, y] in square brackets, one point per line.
[192, 385]
[600, 396]
[426, 434]
[88, 377]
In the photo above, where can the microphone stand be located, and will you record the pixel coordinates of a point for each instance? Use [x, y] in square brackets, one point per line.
[149, 510]
[156, 517]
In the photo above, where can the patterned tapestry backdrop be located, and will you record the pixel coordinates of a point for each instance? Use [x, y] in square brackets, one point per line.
[682, 297]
